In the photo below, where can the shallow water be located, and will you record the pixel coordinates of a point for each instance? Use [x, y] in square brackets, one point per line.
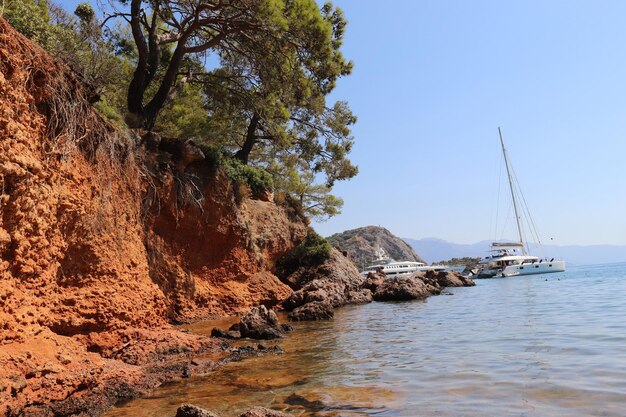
[543, 345]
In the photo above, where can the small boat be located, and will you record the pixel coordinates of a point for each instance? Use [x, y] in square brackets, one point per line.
[509, 259]
[389, 267]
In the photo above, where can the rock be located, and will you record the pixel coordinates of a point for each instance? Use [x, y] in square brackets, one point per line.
[453, 279]
[299, 400]
[286, 327]
[224, 334]
[188, 410]
[319, 289]
[363, 296]
[296, 299]
[316, 310]
[260, 323]
[265, 195]
[373, 280]
[264, 412]
[401, 289]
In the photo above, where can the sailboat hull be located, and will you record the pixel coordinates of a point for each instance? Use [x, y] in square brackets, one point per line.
[533, 268]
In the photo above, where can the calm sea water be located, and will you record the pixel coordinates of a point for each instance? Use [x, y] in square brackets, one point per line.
[544, 345]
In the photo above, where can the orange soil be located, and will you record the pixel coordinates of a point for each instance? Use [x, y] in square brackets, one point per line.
[99, 252]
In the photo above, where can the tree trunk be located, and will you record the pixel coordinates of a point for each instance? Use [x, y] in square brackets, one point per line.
[244, 153]
[169, 79]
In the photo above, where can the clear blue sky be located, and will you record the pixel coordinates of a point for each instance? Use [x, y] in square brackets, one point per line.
[433, 80]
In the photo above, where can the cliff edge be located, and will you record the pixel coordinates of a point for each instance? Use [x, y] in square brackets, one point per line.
[103, 245]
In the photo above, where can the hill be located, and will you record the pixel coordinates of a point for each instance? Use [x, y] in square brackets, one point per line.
[434, 250]
[361, 245]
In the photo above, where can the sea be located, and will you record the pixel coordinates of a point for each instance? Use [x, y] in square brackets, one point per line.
[540, 345]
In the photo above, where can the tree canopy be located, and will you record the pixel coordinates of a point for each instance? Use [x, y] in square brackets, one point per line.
[247, 77]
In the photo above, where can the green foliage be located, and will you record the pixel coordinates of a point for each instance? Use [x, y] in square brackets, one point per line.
[314, 199]
[110, 113]
[467, 262]
[85, 13]
[31, 18]
[184, 117]
[312, 251]
[213, 156]
[258, 179]
[262, 96]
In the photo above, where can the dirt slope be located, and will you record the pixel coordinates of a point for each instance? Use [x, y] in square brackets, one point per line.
[101, 247]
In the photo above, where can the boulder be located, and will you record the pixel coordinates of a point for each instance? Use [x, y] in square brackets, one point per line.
[264, 412]
[453, 279]
[225, 334]
[260, 323]
[316, 310]
[373, 280]
[188, 410]
[363, 296]
[401, 289]
[334, 283]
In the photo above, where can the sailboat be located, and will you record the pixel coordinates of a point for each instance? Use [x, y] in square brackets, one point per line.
[509, 259]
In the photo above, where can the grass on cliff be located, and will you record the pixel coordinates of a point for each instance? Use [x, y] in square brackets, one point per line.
[313, 251]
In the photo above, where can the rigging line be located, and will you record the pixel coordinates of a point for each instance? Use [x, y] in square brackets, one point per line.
[531, 222]
[508, 215]
[495, 229]
[525, 214]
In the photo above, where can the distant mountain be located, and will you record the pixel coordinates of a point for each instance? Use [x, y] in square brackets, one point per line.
[433, 250]
[361, 245]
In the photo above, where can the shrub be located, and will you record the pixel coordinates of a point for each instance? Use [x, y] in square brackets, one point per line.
[110, 113]
[29, 17]
[258, 179]
[213, 157]
[312, 251]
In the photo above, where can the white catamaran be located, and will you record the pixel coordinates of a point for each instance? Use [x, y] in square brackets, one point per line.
[510, 259]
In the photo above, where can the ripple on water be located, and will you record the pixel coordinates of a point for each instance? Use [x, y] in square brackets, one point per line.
[511, 347]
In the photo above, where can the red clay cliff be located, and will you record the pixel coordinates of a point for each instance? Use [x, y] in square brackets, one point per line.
[101, 249]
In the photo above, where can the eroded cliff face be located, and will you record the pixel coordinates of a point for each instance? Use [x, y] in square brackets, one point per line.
[101, 241]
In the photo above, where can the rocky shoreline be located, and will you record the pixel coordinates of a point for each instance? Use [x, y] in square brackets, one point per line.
[106, 243]
[151, 358]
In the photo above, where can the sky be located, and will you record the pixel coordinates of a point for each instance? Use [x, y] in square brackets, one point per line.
[433, 80]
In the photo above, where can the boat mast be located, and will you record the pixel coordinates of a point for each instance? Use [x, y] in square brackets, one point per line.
[508, 172]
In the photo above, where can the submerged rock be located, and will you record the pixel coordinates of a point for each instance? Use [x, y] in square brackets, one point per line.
[299, 400]
[225, 334]
[264, 412]
[188, 410]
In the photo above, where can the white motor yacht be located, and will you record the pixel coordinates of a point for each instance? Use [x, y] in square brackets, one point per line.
[393, 268]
